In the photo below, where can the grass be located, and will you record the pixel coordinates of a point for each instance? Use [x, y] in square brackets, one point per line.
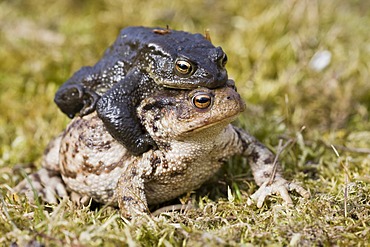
[270, 45]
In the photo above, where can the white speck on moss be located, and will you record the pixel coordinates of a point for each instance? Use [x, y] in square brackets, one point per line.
[320, 60]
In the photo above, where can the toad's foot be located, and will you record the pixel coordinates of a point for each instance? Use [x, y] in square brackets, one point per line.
[90, 99]
[79, 199]
[73, 99]
[279, 186]
[44, 183]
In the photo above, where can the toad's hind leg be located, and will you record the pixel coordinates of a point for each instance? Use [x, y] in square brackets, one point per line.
[47, 182]
[75, 96]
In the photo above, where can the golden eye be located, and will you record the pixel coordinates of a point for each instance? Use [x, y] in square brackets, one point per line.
[202, 100]
[183, 67]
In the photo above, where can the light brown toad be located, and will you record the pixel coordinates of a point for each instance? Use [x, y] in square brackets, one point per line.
[194, 137]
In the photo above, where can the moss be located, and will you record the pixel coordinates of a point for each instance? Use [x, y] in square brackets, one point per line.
[270, 45]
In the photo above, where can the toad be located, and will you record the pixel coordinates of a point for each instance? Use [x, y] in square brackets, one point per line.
[141, 62]
[194, 137]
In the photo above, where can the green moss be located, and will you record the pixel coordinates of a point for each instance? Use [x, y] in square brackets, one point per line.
[270, 45]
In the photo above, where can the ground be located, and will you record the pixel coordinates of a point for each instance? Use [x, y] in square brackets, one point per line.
[303, 68]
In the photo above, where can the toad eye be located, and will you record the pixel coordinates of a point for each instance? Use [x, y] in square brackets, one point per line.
[184, 68]
[202, 100]
[224, 60]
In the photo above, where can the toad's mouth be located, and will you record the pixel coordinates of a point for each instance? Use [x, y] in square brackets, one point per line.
[204, 125]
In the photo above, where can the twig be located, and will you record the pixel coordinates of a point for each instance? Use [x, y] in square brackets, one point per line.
[337, 147]
[346, 179]
[280, 149]
[176, 207]
[351, 149]
[5, 210]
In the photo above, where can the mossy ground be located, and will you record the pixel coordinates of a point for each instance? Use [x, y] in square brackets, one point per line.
[270, 45]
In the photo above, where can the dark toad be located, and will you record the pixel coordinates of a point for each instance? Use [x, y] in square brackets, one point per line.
[193, 133]
[141, 62]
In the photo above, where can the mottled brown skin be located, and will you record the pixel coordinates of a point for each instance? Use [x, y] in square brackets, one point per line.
[194, 137]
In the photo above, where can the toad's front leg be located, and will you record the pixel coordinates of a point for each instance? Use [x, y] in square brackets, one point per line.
[266, 171]
[130, 193]
[117, 109]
